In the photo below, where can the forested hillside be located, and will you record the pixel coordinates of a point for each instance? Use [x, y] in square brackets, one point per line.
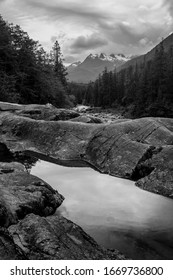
[27, 73]
[144, 88]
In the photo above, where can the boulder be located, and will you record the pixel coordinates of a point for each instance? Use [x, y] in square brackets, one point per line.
[39, 112]
[22, 193]
[56, 238]
[160, 180]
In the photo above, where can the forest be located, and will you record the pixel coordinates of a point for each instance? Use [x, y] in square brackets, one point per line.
[143, 90]
[30, 75]
[27, 73]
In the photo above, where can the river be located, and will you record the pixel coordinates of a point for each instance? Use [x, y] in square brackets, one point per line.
[115, 212]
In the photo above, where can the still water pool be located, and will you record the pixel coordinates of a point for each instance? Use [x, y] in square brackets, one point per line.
[113, 211]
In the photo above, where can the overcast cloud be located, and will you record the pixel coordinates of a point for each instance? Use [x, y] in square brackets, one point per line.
[94, 26]
[169, 3]
[91, 42]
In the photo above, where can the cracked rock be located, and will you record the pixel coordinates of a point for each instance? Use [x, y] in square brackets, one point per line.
[56, 238]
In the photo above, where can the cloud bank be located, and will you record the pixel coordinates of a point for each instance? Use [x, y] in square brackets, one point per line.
[82, 27]
[88, 43]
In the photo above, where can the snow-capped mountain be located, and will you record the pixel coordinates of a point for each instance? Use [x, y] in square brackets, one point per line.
[74, 64]
[93, 65]
[111, 57]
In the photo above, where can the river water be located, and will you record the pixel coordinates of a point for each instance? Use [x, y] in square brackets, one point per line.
[113, 211]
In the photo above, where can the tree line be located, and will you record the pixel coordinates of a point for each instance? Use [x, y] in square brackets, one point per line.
[27, 73]
[30, 75]
[145, 89]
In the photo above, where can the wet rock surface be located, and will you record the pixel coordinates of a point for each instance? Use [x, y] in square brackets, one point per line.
[140, 150]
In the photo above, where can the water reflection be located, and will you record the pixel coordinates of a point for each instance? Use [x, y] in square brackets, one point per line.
[113, 210]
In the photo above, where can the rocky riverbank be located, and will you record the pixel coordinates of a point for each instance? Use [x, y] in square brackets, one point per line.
[140, 150]
[104, 115]
[30, 228]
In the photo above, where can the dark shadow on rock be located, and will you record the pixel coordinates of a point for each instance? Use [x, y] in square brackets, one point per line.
[8, 249]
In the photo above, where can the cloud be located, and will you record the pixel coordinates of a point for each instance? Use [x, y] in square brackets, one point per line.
[129, 35]
[169, 4]
[70, 59]
[144, 41]
[82, 26]
[53, 39]
[61, 37]
[87, 43]
[65, 9]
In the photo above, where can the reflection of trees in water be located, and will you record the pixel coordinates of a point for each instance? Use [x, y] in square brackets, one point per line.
[8, 156]
[26, 160]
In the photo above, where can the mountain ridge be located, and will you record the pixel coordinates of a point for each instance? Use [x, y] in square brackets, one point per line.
[149, 55]
[93, 65]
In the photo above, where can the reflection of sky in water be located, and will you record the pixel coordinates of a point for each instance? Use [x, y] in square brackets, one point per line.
[94, 200]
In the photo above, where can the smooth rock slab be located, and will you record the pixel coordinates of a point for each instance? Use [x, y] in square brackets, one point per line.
[118, 149]
[39, 112]
[56, 238]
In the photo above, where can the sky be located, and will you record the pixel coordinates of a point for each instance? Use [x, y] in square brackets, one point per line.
[94, 26]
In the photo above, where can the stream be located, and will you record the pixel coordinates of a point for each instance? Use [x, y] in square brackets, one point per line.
[116, 213]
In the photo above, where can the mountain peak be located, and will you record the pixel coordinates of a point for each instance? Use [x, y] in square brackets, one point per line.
[93, 65]
[102, 55]
[76, 63]
[112, 57]
[92, 56]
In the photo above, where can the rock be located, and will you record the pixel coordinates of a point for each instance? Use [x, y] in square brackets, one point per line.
[125, 148]
[22, 193]
[5, 154]
[106, 115]
[6, 106]
[66, 140]
[82, 108]
[9, 250]
[26, 201]
[160, 180]
[141, 150]
[56, 238]
[39, 112]
[86, 119]
[47, 114]
[118, 148]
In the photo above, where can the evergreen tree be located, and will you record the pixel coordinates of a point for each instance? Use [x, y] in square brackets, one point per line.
[26, 72]
[105, 89]
[59, 68]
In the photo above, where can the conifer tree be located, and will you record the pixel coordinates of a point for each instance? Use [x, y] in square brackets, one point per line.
[59, 68]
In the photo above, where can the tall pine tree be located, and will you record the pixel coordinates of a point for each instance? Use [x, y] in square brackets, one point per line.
[59, 68]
